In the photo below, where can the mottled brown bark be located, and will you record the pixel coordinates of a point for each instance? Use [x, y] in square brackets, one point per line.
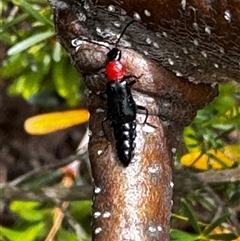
[176, 48]
[197, 39]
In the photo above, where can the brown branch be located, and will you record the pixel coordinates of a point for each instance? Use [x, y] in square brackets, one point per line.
[170, 46]
[52, 194]
[47, 168]
[191, 182]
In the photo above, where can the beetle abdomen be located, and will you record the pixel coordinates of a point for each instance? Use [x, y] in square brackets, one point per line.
[125, 135]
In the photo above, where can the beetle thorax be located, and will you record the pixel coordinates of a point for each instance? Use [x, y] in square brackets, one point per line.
[115, 70]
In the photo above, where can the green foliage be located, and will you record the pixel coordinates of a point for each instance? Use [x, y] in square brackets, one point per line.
[82, 213]
[202, 231]
[216, 121]
[35, 220]
[35, 60]
[210, 130]
[180, 235]
[190, 215]
[209, 145]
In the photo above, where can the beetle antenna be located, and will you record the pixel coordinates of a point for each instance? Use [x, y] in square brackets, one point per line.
[124, 30]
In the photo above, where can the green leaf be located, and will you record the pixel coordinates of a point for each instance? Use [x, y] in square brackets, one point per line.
[191, 139]
[14, 21]
[66, 80]
[43, 61]
[14, 65]
[57, 52]
[7, 38]
[233, 120]
[236, 194]
[63, 235]
[223, 236]
[26, 85]
[215, 224]
[30, 233]
[28, 42]
[183, 236]
[81, 211]
[190, 215]
[29, 212]
[33, 12]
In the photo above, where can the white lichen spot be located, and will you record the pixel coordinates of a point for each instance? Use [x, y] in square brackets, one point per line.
[117, 24]
[152, 229]
[191, 79]
[147, 13]
[101, 133]
[111, 8]
[195, 26]
[155, 45]
[171, 184]
[158, 34]
[171, 202]
[166, 103]
[164, 34]
[204, 54]
[99, 152]
[183, 3]
[154, 169]
[170, 61]
[216, 65]
[179, 74]
[184, 49]
[97, 190]
[59, 5]
[166, 123]
[106, 215]
[159, 228]
[208, 30]
[145, 52]
[96, 214]
[98, 230]
[98, 30]
[86, 6]
[195, 42]
[175, 54]
[148, 41]
[148, 128]
[87, 91]
[100, 110]
[76, 42]
[136, 16]
[174, 150]
[227, 15]
[222, 51]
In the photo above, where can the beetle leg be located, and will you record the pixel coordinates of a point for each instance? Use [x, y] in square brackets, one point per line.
[139, 107]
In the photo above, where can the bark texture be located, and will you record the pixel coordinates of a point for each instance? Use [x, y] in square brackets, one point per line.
[178, 50]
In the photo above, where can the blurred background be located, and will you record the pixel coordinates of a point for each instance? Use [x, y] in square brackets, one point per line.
[34, 81]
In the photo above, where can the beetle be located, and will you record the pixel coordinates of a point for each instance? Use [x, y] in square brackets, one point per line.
[121, 107]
